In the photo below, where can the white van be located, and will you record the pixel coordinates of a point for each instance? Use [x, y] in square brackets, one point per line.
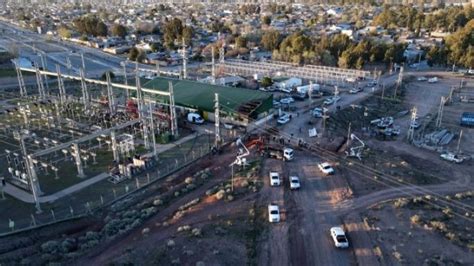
[195, 118]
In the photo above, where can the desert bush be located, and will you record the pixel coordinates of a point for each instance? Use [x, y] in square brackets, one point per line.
[51, 247]
[196, 232]
[440, 226]
[183, 228]
[415, 219]
[158, 202]
[220, 194]
[400, 203]
[170, 243]
[68, 245]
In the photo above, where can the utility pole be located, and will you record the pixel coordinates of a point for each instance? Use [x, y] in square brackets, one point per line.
[185, 73]
[21, 81]
[31, 173]
[68, 64]
[141, 112]
[39, 83]
[152, 128]
[439, 118]
[173, 117]
[125, 78]
[113, 139]
[217, 122]
[43, 64]
[411, 129]
[213, 66]
[85, 92]
[459, 143]
[83, 63]
[310, 93]
[325, 117]
[399, 82]
[157, 65]
[76, 152]
[110, 93]
[349, 135]
[62, 90]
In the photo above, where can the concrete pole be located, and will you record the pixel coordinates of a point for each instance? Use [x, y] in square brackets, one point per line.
[173, 118]
[411, 129]
[439, 118]
[152, 128]
[185, 73]
[114, 146]
[110, 93]
[33, 179]
[39, 83]
[21, 81]
[62, 91]
[83, 63]
[43, 64]
[77, 157]
[85, 91]
[213, 66]
[125, 80]
[217, 121]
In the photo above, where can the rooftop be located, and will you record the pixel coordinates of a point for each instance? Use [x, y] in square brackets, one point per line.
[201, 96]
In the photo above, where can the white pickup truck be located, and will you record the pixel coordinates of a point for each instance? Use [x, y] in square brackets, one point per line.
[451, 157]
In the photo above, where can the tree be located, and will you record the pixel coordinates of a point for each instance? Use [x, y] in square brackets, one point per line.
[241, 42]
[173, 30]
[101, 29]
[141, 56]
[133, 54]
[188, 35]
[266, 82]
[271, 40]
[267, 20]
[119, 30]
[64, 32]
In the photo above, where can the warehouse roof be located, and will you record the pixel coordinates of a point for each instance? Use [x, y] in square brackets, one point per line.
[201, 95]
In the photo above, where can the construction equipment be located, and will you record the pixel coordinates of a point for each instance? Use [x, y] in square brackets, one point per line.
[356, 151]
[243, 152]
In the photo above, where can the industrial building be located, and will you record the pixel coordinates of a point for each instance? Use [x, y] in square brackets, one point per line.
[238, 103]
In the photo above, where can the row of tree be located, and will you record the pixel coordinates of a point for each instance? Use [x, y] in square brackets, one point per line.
[448, 19]
[457, 49]
[336, 50]
[90, 25]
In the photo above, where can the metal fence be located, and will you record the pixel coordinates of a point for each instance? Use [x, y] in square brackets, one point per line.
[104, 193]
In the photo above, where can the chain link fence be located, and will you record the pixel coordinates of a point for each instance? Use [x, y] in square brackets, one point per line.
[24, 216]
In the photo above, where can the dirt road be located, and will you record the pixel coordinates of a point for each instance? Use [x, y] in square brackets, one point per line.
[302, 237]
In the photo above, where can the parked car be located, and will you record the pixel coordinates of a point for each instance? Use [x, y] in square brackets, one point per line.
[451, 157]
[273, 213]
[331, 100]
[355, 90]
[326, 168]
[317, 112]
[294, 182]
[421, 79]
[283, 120]
[339, 237]
[287, 100]
[274, 179]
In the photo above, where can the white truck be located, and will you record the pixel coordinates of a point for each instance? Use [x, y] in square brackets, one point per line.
[286, 154]
[289, 84]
